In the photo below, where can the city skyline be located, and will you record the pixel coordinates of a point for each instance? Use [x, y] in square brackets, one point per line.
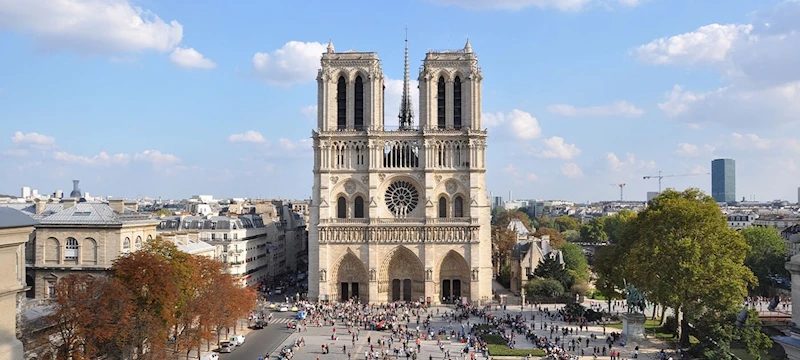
[185, 103]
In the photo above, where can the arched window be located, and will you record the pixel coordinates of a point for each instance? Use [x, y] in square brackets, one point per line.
[442, 207]
[457, 103]
[458, 207]
[71, 249]
[341, 104]
[359, 97]
[126, 245]
[149, 237]
[440, 95]
[358, 208]
[341, 208]
[89, 252]
[138, 243]
[52, 251]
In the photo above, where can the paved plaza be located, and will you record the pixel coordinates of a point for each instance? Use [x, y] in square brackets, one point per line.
[315, 337]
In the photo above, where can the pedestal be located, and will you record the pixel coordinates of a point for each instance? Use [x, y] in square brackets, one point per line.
[633, 325]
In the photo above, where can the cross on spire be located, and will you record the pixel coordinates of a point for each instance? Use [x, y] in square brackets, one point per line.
[406, 111]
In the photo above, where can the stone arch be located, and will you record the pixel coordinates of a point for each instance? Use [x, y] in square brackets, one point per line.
[453, 277]
[349, 278]
[402, 276]
[89, 252]
[52, 251]
[460, 204]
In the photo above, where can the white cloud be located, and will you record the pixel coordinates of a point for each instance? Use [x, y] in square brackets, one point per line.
[571, 170]
[16, 152]
[248, 136]
[556, 148]
[698, 170]
[101, 159]
[687, 150]
[190, 58]
[525, 126]
[749, 141]
[492, 119]
[511, 170]
[563, 5]
[758, 60]
[532, 177]
[33, 139]
[300, 145]
[619, 108]
[392, 98]
[296, 62]
[90, 26]
[309, 111]
[156, 157]
[629, 162]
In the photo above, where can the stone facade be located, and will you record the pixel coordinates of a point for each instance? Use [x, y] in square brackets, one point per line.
[15, 230]
[399, 214]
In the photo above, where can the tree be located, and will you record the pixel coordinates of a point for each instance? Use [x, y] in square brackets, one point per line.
[503, 242]
[752, 336]
[556, 239]
[575, 262]
[593, 231]
[608, 267]
[679, 246]
[564, 223]
[549, 288]
[551, 268]
[69, 314]
[614, 225]
[571, 235]
[767, 255]
[505, 217]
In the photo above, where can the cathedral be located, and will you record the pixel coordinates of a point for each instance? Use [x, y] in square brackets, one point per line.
[399, 211]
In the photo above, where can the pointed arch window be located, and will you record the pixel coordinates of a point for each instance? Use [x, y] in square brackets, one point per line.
[457, 103]
[341, 103]
[358, 207]
[359, 103]
[341, 208]
[440, 97]
[442, 207]
[458, 207]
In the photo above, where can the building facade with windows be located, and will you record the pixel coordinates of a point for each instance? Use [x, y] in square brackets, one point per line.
[399, 213]
[723, 180]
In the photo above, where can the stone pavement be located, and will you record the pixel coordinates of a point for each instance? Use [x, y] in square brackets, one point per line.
[316, 336]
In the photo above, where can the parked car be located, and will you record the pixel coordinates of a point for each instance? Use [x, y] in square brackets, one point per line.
[211, 356]
[283, 308]
[226, 347]
[237, 340]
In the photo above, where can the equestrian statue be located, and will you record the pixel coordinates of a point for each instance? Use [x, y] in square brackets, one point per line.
[635, 298]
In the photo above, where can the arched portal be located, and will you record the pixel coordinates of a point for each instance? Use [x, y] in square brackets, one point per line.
[350, 279]
[402, 276]
[454, 277]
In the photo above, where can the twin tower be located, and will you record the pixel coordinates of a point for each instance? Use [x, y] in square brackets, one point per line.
[399, 210]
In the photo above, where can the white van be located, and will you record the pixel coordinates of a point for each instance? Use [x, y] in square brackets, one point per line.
[211, 356]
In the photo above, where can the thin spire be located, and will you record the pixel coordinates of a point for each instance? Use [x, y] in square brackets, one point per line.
[406, 111]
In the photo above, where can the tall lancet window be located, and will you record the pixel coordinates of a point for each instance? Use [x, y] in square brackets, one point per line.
[440, 94]
[341, 103]
[359, 97]
[457, 103]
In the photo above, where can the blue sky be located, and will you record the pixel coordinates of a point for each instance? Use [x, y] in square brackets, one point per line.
[163, 98]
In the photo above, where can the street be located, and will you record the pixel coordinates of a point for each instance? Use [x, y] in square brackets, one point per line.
[263, 341]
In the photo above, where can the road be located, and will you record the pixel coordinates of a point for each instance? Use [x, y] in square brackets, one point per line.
[264, 341]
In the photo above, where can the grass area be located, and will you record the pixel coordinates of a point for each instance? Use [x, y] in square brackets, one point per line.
[495, 339]
[503, 350]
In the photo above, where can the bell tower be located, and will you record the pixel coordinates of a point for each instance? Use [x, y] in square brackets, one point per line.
[450, 90]
[349, 91]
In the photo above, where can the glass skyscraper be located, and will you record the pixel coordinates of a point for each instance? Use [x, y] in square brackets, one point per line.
[723, 180]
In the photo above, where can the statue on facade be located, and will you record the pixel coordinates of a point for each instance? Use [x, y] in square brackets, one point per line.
[635, 298]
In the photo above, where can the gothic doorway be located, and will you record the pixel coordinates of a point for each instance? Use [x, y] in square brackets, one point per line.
[402, 276]
[454, 278]
[350, 280]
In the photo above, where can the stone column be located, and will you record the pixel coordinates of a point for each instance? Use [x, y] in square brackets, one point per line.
[12, 266]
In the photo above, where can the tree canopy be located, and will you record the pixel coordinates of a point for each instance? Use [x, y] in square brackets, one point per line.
[767, 255]
[594, 231]
[556, 238]
[564, 223]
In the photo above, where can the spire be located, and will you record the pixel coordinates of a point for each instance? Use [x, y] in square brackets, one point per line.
[468, 47]
[330, 47]
[406, 111]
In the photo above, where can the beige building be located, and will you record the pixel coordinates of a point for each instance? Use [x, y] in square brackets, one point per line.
[15, 230]
[399, 213]
[527, 256]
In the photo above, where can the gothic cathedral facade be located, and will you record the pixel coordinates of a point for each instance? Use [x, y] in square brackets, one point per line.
[399, 213]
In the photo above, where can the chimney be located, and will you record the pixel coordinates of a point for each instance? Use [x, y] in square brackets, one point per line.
[69, 202]
[118, 205]
[40, 204]
[132, 205]
[76, 190]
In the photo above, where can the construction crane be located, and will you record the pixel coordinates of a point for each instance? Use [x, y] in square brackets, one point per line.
[621, 186]
[659, 177]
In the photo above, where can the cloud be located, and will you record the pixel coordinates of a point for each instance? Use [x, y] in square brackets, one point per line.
[16, 152]
[300, 145]
[32, 139]
[309, 111]
[492, 119]
[532, 177]
[561, 5]
[757, 60]
[525, 126]
[156, 158]
[296, 62]
[511, 170]
[102, 159]
[749, 141]
[616, 164]
[687, 150]
[90, 26]
[571, 170]
[619, 108]
[248, 136]
[189, 58]
[556, 148]
[392, 98]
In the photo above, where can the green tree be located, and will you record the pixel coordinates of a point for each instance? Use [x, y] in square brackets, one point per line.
[767, 255]
[752, 336]
[614, 225]
[575, 262]
[564, 223]
[594, 231]
[549, 288]
[551, 268]
[571, 235]
[608, 268]
[682, 245]
[556, 239]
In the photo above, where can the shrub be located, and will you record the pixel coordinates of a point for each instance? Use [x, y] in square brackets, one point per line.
[544, 287]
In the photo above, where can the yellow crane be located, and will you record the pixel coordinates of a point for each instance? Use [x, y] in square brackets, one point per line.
[660, 176]
[621, 186]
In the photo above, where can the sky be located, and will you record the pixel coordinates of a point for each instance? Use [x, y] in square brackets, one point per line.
[171, 98]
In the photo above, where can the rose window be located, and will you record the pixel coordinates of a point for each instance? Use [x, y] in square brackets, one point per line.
[402, 198]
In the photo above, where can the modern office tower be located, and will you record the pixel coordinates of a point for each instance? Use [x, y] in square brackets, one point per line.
[723, 180]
